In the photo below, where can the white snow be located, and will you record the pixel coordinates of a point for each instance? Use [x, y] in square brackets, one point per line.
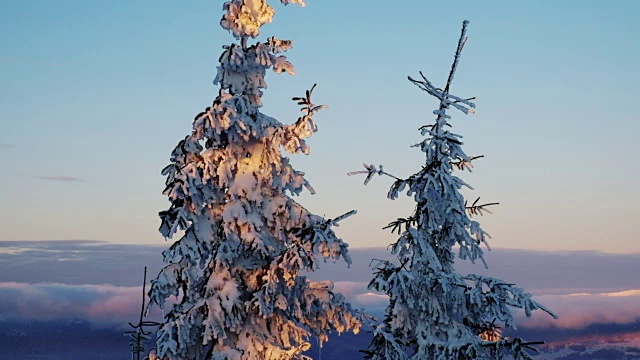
[434, 312]
[236, 270]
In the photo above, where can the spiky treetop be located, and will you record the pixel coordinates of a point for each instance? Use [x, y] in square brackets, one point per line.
[435, 313]
[235, 273]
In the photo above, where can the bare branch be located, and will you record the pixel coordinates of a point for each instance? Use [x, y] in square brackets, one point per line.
[456, 59]
[478, 209]
[138, 336]
[371, 171]
[463, 164]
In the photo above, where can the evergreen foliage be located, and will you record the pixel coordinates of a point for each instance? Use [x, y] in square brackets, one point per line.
[233, 278]
[434, 312]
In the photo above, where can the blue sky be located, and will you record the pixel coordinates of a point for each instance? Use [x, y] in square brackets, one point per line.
[102, 91]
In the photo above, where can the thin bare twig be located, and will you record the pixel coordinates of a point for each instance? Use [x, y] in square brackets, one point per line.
[462, 164]
[138, 335]
[479, 209]
[370, 171]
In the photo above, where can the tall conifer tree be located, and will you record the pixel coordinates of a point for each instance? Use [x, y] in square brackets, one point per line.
[235, 271]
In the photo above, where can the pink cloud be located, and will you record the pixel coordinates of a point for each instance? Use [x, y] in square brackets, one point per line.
[117, 305]
[98, 304]
[350, 288]
[121, 305]
[583, 309]
[359, 296]
[575, 311]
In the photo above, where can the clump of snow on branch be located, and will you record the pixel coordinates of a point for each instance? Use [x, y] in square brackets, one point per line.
[245, 17]
[434, 312]
[231, 287]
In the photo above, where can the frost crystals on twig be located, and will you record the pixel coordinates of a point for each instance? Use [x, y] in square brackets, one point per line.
[370, 171]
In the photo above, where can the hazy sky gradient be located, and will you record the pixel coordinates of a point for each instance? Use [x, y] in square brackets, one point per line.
[95, 95]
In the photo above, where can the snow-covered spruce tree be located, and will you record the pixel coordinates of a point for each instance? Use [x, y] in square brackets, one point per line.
[434, 312]
[235, 273]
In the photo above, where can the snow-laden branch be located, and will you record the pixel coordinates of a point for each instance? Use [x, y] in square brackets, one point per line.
[293, 135]
[370, 171]
[244, 18]
[446, 99]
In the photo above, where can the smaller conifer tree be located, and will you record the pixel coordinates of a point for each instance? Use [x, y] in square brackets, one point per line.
[434, 312]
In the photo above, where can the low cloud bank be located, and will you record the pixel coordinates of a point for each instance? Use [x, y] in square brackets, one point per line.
[98, 304]
[112, 305]
[100, 282]
[583, 309]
